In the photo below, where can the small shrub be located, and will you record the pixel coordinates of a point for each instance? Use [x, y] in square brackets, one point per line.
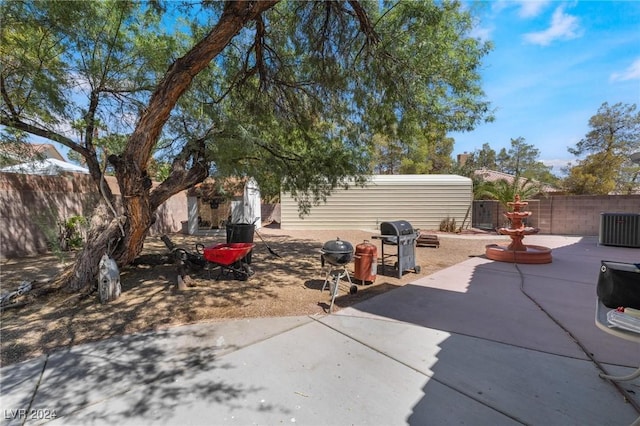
[448, 225]
[73, 233]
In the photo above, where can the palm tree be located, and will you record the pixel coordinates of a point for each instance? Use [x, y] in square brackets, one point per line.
[504, 191]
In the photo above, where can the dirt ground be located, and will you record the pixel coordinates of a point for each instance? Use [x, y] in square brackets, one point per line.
[281, 286]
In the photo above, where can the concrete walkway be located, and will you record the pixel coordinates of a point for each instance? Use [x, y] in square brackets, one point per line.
[480, 343]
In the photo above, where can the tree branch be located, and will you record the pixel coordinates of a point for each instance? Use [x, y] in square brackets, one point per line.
[182, 178]
[259, 49]
[179, 77]
[38, 131]
[365, 23]
[6, 98]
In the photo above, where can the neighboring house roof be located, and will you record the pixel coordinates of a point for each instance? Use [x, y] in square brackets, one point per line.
[494, 176]
[47, 151]
[13, 153]
[48, 166]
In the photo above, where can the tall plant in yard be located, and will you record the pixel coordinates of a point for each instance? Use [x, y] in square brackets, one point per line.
[291, 93]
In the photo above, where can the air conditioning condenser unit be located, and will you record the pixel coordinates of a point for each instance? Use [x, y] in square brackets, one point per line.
[619, 229]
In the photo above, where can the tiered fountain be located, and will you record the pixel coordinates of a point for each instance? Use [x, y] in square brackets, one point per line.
[517, 252]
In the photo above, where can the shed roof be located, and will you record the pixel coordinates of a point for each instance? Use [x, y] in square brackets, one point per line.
[403, 179]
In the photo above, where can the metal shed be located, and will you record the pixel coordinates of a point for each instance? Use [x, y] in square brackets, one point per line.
[422, 200]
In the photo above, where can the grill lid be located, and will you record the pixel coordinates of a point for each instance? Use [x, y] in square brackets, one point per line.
[337, 246]
[397, 227]
[337, 252]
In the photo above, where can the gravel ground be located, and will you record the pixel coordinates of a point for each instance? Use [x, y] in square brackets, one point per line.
[281, 286]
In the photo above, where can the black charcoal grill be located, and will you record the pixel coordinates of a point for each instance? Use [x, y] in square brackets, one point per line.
[401, 234]
[337, 252]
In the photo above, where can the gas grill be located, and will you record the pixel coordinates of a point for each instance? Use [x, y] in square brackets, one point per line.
[401, 234]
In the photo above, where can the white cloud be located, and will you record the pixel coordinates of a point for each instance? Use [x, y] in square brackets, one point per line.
[563, 26]
[481, 33]
[526, 8]
[531, 9]
[556, 164]
[631, 73]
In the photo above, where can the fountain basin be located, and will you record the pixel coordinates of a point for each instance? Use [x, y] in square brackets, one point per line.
[531, 254]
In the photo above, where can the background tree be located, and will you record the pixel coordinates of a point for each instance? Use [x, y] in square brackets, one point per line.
[291, 93]
[485, 158]
[522, 160]
[413, 151]
[614, 136]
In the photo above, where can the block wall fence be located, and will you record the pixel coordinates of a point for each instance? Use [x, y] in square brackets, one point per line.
[31, 206]
[564, 214]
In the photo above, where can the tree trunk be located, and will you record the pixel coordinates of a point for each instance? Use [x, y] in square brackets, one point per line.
[123, 238]
[103, 235]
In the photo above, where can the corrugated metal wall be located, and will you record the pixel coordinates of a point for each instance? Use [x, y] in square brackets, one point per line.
[422, 200]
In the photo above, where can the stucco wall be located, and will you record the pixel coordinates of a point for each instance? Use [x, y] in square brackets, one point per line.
[31, 207]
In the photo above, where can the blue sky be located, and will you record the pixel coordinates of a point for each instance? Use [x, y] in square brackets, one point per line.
[553, 65]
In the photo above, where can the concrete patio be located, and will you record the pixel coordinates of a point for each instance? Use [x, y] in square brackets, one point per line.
[479, 343]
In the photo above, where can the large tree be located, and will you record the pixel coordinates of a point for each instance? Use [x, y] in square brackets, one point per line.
[292, 93]
[605, 165]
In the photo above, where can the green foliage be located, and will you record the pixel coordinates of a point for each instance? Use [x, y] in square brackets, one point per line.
[158, 170]
[595, 175]
[300, 99]
[33, 70]
[85, 65]
[505, 191]
[423, 151]
[484, 158]
[606, 168]
[430, 86]
[326, 108]
[73, 233]
[521, 161]
[62, 236]
[14, 149]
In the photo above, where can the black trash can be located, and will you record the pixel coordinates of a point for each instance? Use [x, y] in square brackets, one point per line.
[241, 233]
